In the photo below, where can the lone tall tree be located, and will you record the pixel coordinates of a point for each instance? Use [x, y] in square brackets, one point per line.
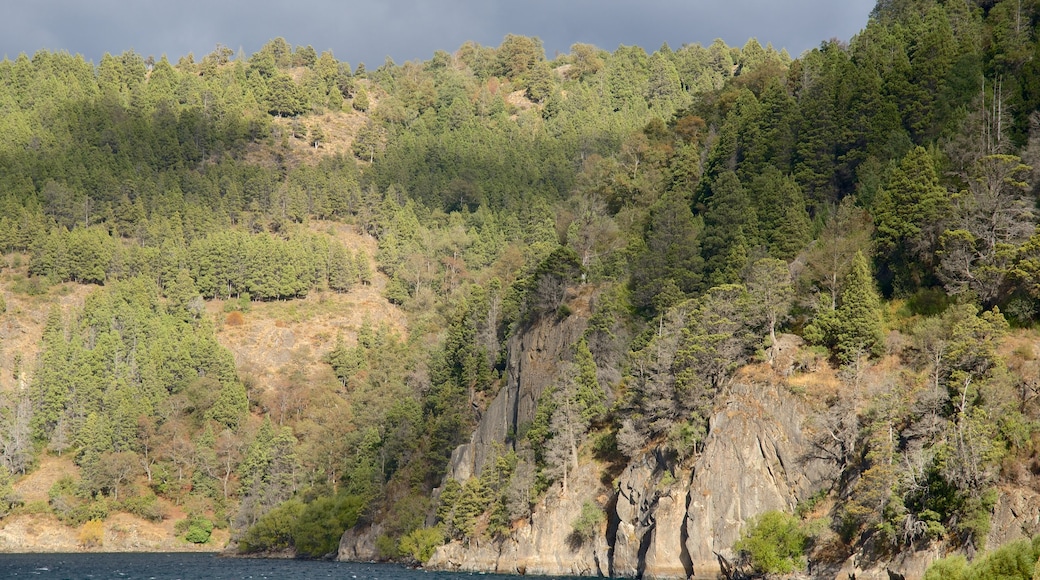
[855, 328]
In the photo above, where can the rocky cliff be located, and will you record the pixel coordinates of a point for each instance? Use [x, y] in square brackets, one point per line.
[534, 363]
[755, 459]
[663, 521]
[544, 545]
[666, 519]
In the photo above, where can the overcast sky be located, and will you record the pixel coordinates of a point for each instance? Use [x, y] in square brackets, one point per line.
[413, 29]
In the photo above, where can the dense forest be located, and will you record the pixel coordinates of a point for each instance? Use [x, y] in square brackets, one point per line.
[877, 198]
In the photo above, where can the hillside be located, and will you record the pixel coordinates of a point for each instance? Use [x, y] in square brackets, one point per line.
[622, 313]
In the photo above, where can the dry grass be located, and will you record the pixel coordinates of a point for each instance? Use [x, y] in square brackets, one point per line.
[279, 346]
[35, 485]
[21, 326]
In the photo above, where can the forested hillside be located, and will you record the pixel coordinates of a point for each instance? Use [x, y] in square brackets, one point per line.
[693, 207]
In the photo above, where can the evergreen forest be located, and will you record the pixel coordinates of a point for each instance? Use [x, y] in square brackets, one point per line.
[872, 200]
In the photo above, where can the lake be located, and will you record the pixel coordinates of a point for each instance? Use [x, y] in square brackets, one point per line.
[204, 567]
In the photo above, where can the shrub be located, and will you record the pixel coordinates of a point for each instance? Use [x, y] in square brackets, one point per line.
[953, 568]
[96, 510]
[199, 530]
[1014, 561]
[422, 543]
[274, 531]
[145, 506]
[35, 507]
[234, 318]
[321, 523]
[92, 534]
[386, 547]
[775, 542]
[588, 523]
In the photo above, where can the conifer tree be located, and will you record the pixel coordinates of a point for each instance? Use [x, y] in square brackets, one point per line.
[856, 328]
[669, 265]
[769, 284]
[909, 215]
[729, 224]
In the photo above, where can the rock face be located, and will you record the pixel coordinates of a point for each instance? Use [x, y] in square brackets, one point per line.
[666, 522]
[544, 546]
[650, 519]
[533, 365]
[359, 544]
[1015, 517]
[756, 459]
[663, 522]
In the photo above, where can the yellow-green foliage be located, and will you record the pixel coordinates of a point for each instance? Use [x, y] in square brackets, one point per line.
[322, 522]
[92, 534]
[272, 532]
[775, 542]
[589, 522]
[421, 543]
[1014, 561]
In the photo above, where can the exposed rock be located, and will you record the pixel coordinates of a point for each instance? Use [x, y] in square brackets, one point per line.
[756, 459]
[666, 556]
[534, 363]
[908, 565]
[650, 516]
[665, 523]
[546, 545]
[1015, 517]
[359, 544]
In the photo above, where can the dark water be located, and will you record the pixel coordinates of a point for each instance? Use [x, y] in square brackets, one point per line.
[204, 567]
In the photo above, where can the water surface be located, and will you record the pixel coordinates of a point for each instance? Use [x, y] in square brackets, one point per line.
[205, 567]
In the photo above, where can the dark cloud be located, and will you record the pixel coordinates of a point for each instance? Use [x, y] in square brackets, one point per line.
[413, 29]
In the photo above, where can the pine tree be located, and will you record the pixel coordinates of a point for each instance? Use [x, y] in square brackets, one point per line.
[668, 266]
[729, 223]
[590, 393]
[769, 285]
[856, 328]
[360, 100]
[342, 269]
[909, 214]
[782, 217]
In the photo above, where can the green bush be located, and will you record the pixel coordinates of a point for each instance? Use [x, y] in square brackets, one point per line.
[274, 531]
[386, 547]
[199, 530]
[145, 506]
[422, 543]
[311, 529]
[321, 523]
[952, 568]
[87, 511]
[775, 542]
[588, 523]
[1014, 561]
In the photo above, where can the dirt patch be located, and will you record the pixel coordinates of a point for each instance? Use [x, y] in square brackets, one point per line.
[35, 485]
[279, 346]
[21, 326]
[121, 533]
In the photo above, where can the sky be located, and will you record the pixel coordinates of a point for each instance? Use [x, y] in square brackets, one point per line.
[413, 29]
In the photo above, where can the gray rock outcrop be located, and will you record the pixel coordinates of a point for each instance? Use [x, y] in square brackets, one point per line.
[756, 459]
[534, 363]
[667, 522]
[546, 545]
